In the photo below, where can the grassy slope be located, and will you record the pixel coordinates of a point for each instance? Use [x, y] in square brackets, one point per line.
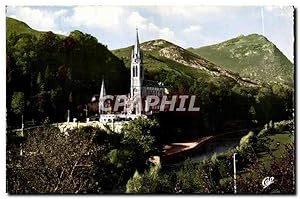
[264, 158]
[251, 56]
[282, 138]
[16, 26]
[154, 61]
[88, 66]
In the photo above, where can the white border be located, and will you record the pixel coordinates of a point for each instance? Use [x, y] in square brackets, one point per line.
[111, 2]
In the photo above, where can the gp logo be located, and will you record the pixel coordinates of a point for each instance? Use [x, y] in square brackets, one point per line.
[267, 181]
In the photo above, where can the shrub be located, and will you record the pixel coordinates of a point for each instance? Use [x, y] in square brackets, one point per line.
[285, 125]
[121, 157]
[226, 185]
[246, 141]
[151, 181]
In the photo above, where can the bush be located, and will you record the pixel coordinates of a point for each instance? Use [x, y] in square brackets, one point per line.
[285, 125]
[140, 135]
[18, 103]
[263, 133]
[151, 181]
[121, 158]
[245, 151]
[246, 141]
[226, 185]
[187, 178]
[282, 169]
[52, 162]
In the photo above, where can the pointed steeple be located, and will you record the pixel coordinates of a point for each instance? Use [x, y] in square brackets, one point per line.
[102, 91]
[136, 50]
[101, 97]
[137, 69]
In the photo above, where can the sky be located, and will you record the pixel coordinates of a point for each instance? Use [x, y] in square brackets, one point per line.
[186, 26]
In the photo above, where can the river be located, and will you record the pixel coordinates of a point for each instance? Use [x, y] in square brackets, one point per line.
[217, 145]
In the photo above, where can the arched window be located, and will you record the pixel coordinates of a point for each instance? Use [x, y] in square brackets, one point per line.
[133, 71]
[136, 71]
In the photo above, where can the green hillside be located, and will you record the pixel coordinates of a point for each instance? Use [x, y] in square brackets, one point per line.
[19, 27]
[252, 56]
[14, 25]
[222, 95]
[161, 55]
[48, 68]
[48, 74]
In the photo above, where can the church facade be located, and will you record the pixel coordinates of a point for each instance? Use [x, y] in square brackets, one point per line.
[140, 88]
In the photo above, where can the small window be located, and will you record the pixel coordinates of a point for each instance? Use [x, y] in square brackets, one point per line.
[133, 72]
[136, 71]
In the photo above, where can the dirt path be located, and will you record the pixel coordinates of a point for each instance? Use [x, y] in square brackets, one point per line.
[174, 148]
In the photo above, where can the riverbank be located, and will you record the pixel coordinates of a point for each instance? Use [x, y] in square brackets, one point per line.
[200, 147]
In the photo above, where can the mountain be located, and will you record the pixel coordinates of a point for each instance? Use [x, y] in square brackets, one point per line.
[252, 56]
[19, 27]
[14, 25]
[48, 74]
[163, 55]
[87, 58]
[47, 68]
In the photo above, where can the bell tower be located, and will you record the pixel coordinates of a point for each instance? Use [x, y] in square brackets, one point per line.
[137, 68]
[137, 71]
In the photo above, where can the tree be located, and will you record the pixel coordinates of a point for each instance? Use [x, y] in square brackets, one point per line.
[64, 73]
[121, 158]
[198, 178]
[47, 76]
[49, 42]
[50, 161]
[140, 134]
[282, 169]
[151, 181]
[40, 83]
[69, 44]
[25, 52]
[18, 103]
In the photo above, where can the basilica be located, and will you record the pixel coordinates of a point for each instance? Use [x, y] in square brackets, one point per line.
[140, 88]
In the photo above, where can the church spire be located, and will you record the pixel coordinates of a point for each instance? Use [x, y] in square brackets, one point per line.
[101, 96]
[136, 50]
[102, 91]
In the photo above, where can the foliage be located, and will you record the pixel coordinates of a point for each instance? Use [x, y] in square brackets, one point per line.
[47, 67]
[53, 73]
[71, 64]
[285, 125]
[140, 134]
[49, 161]
[282, 169]
[83, 160]
[151, 181]
[52, 162]
[215, 175]
[121, 158]
[205, 176]
[18, 103]
[246, 141]
[188, 178]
